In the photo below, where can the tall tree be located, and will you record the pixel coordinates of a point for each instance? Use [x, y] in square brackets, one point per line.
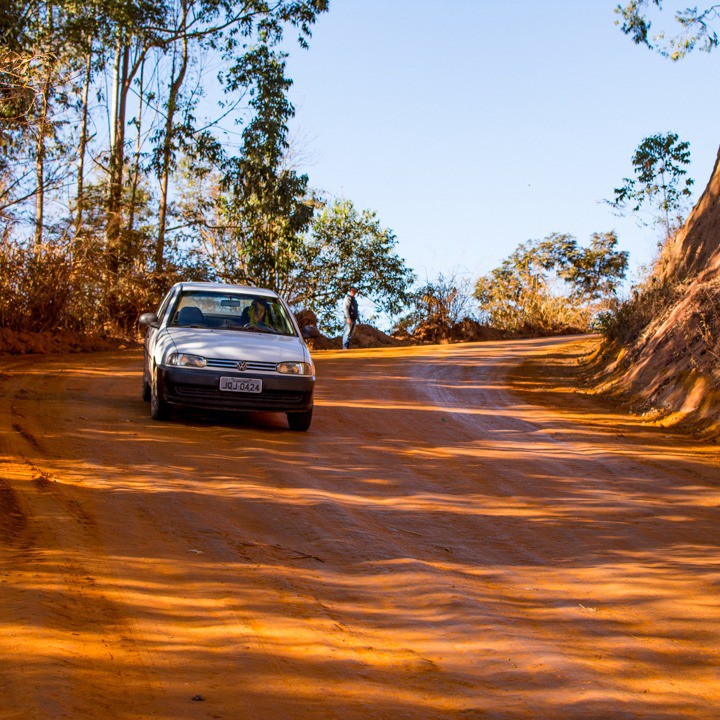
[20, 87]
[660, 181]
[268, 204]
[593, 272]
[132, 28]
[83, 140]
[44, 128]
[180, 61]
[45, 37]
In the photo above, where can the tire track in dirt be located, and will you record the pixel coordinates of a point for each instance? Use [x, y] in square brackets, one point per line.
[431, 549]
[13, 523]
[55, 595]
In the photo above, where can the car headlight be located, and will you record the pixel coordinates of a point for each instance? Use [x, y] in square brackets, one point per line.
[295, 368]
[185, 360]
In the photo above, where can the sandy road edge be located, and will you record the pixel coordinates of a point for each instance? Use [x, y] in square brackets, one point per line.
[558, 379]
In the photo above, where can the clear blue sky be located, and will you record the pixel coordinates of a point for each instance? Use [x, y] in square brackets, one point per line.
[470, 126]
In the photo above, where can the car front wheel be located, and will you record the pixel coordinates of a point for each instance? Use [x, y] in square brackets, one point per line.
[300, 420]
[146, 390]
[159, 409]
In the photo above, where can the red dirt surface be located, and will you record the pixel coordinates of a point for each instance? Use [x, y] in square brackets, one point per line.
[441, 544]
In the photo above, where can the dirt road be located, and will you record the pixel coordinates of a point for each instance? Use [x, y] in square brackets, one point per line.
[434, 547]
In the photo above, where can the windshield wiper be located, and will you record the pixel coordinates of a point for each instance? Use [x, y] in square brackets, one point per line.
[250, 328]
[262, 329]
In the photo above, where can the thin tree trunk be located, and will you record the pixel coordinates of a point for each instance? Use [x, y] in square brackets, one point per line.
[175, 88]
[115, 93]
[138, 146]
[41, 153]
[82, 146]
[665, 206]
[117, 158]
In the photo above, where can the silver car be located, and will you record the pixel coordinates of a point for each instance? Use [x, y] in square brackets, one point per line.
[227, 347]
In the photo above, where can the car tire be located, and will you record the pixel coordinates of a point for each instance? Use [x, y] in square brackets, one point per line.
[300, 421]
[159, 409]
[146, 391]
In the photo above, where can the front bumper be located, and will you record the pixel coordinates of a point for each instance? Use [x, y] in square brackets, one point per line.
[200, 389]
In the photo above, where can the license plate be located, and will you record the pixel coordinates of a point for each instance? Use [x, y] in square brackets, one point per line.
[246, 385]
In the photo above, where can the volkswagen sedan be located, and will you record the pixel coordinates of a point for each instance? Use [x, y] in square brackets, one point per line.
[227, 347]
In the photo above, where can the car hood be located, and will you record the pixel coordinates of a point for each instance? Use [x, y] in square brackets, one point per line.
[238, 345]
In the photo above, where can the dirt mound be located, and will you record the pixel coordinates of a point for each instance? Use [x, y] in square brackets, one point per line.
[467, 330]
[368, 336]
[60, 341]
[695, 251]
[306, 318]
[365, 336]
[673, 367]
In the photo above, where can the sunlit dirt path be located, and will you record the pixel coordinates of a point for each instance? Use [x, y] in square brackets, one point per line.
[434, 547]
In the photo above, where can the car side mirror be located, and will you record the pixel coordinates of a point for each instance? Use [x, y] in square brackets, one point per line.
[309, 331]
[149, 319]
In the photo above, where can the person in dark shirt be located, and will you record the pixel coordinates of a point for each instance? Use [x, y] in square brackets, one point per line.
[350, 308]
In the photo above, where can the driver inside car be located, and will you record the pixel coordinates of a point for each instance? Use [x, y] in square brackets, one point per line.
[258, 315]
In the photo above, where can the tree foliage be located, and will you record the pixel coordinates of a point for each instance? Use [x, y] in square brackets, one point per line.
[267, 205]
[348, 247]
[553, 284]
[143, 69]
[660, 180]
[341, 246]
[594, 272]
[438, 305]
[696, 28]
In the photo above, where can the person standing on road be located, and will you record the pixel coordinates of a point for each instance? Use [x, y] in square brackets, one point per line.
[350, 308]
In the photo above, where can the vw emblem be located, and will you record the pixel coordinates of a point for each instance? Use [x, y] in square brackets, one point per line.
[242, 366]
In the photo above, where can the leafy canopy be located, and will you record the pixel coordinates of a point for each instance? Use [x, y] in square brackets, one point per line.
[660, 180]
[552, 284]
[267, 205]
[695, 28]
[348, 247]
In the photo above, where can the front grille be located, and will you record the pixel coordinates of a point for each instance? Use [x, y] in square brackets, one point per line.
[251, 365]
[214, 397]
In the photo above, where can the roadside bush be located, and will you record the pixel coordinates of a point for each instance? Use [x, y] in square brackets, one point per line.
[626, 322]
[531, 308]
[552, 285]
[35, 288]
[139, 291]
[437, 308]
[56, 287]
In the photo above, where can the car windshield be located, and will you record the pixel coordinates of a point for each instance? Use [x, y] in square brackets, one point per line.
[232, 311]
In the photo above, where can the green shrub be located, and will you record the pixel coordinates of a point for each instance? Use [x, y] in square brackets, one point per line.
[627, 321]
